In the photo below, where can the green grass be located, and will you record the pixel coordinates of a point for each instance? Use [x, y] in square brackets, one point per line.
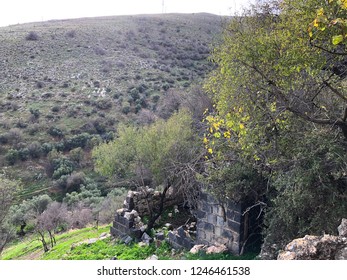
[31, 248]
[104, 249]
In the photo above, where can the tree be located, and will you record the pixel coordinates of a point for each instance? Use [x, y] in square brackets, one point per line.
[164, 153]
[8, 191]
[55, 216]
[278, 111]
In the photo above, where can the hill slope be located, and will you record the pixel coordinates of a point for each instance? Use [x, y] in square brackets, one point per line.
[66, 84]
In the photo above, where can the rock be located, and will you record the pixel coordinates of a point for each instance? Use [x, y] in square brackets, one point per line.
[160, 236]
[341, 254]
[152, 258]
[342, 228]
[216, 249]
[269, 251]
[142, 244]
[327, 247]
[197, 248]
[126, 239]
[135, 214]
[128, 216]
[146, 238]
[169, 226]
[104, 236]
[121, 211]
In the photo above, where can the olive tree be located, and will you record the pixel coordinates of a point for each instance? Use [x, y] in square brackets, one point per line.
[165, 153]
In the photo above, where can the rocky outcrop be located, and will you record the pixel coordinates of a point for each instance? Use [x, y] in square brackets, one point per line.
[326, 247]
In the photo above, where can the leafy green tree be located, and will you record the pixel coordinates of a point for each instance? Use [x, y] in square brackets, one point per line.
[164, 153]
[278, 111]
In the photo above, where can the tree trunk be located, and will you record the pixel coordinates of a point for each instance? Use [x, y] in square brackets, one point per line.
[43, 241]
[157, 214]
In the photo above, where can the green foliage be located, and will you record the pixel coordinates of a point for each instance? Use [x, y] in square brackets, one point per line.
[8, 190]
[12, 156]
[62, 166]
[277, 119]
[151, 152]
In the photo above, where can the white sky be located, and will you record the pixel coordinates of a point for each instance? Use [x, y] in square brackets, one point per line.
[21, 11]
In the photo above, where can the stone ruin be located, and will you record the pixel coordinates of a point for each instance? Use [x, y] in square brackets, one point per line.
[229, 227]
[326, 247]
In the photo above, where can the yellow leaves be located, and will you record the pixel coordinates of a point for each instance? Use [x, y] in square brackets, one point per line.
[210, 151]
[273, 107]
[227, 134]
[241, 126]
[315, 23]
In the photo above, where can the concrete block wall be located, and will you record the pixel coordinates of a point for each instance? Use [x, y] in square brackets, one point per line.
[217, 224]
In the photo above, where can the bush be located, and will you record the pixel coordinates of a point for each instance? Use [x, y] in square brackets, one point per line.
[62, 166]
[4, 138]
[35, 149]
[12, 156]
[75, 181]
[79, 140]
[55, 132]
[32, 36]
[23, 154]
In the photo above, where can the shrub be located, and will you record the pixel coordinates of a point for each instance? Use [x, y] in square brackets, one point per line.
[47, 147]
[74, 181]
[32, 36]
[79, 140]
[35, 149]
[4, 138]
[76, 155]
[103, 104]
[71, 34]
[12, 156]
[55, 132]
[62, 166]
[23, 154]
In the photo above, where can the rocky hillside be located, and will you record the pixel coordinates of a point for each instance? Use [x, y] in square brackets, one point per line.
[65, 85]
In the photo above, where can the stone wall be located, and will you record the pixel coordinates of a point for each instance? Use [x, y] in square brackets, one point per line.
[137, 204]
[227, 224]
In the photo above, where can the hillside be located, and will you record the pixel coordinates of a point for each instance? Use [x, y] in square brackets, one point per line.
[66, 84]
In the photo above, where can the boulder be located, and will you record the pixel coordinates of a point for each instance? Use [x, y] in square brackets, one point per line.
[146, 238]
[216, 249]
[197, 248]
[326, 247]
[342, 228]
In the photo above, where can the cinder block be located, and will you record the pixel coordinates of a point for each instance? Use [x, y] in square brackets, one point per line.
[234, 226]
[212, 219]
[209, 227]
[220, 221]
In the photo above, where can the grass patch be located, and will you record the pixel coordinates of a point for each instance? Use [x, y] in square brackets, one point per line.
[31, 248]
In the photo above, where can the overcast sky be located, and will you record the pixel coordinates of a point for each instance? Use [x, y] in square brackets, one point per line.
[21, 11]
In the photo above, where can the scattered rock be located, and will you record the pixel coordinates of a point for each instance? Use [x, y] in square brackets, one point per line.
[160, 236]
[169, 226]
[197, 248]
[216, 249]
[146, 238]
[152, 258]
[342, 228]
[126, 239]
[326, 247]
